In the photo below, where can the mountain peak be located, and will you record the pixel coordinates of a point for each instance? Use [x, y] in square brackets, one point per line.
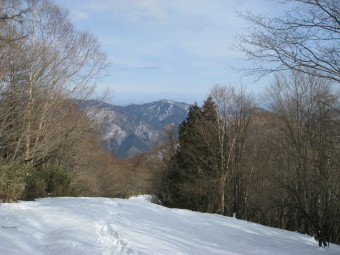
[166, 101]
[129, 130]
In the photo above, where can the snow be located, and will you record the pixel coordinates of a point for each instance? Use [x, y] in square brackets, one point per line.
[137, 227]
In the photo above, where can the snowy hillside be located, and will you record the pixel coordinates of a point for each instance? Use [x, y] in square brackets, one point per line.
[135, 226]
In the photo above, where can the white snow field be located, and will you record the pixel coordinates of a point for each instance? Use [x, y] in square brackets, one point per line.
[136, 226]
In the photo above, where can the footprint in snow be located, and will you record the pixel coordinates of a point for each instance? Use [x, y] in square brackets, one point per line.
[111, 242]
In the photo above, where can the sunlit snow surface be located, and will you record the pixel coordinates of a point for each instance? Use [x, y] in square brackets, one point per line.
[136, 226]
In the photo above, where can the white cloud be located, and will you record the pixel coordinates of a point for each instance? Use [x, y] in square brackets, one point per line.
[77, 15]
[142, 11]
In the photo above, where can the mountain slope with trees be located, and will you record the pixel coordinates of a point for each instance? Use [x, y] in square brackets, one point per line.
[132, 129]
[279, 167]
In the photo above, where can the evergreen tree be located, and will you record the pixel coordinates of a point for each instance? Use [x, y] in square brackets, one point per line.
[192, 179]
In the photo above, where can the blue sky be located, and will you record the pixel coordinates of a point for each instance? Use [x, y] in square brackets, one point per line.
[167, 49]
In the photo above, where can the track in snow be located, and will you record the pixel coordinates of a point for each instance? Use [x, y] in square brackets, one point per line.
[87, 226]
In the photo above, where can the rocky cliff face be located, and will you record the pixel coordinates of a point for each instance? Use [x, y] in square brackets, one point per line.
[129, 130]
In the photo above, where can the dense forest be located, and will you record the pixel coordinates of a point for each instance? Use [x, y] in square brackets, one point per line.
[276, 162]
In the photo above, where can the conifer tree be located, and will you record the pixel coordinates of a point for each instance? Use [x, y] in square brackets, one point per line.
[192, 178]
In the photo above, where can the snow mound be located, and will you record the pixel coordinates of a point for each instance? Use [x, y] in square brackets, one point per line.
[137, 227]
[146, 198]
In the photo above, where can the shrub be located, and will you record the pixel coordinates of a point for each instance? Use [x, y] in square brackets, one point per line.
[49, 181]
[22, 181]
[58, 181]
[13, 179]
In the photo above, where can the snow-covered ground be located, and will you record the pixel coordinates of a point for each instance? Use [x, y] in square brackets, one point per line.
[136, 226]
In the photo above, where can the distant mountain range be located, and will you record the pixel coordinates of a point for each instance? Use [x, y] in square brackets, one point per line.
[129, 130]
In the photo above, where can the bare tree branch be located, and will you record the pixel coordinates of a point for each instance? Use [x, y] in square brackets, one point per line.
[306, 39]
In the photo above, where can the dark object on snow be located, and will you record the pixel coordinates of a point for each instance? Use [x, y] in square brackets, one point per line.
[320, 238]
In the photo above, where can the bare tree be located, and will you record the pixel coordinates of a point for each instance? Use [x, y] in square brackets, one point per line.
[12, 12]
[306, 39]
[53, 63]
[308, 158]
[47, 67]
[234, 109]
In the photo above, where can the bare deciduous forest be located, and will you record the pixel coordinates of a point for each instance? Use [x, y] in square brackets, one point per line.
[276, 163]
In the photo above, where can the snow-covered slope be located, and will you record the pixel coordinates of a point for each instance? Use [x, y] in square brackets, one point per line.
[135, 226]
